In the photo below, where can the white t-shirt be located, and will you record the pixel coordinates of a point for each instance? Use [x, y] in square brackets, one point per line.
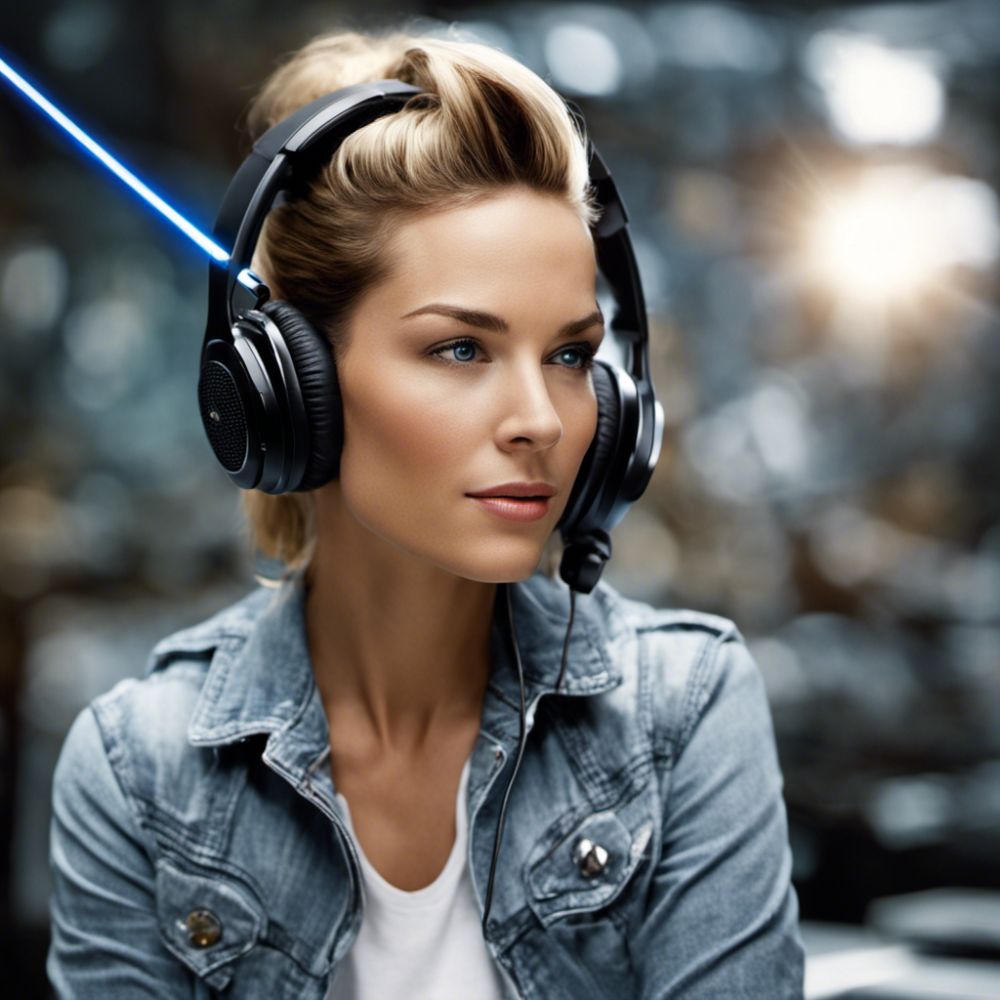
[420, 945]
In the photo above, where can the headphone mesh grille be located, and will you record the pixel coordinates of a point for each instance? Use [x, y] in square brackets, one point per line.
[223, 416]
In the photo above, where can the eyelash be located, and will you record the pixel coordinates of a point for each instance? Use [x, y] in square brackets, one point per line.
[587, 351]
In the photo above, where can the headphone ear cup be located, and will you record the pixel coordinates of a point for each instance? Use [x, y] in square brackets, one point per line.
[596, 466]
[312, 357]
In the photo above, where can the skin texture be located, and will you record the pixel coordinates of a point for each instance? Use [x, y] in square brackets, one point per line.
[403, 581]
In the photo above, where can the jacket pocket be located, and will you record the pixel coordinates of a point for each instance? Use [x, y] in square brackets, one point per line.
[557, 879]
[206, 920]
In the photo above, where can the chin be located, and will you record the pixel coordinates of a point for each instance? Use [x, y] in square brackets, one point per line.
[502, 563]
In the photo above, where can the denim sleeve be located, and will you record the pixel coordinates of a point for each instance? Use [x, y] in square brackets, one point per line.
[105, 942]
[722, 917]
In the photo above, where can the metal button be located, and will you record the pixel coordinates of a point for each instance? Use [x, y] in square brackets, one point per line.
[497, 753]
[202, 927]
[589, 857]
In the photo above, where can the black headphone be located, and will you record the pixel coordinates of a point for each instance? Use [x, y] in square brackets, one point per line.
[268, 391]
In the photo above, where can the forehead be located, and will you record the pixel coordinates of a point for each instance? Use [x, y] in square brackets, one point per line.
[515, 246]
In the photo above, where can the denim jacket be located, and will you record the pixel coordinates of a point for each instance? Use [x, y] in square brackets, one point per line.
[197, 848]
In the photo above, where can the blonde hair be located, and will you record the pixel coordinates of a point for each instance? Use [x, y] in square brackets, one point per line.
[486, 121]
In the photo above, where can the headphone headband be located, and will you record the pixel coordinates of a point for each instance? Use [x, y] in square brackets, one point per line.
[283, 156]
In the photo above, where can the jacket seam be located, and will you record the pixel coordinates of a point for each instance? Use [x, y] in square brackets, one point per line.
[124, 777]
[702, 674]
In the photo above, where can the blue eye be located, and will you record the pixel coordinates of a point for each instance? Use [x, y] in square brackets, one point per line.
[467, 348]
[464, 351]
[584, 352]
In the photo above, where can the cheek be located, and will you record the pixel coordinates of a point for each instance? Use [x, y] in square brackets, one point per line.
[410, 448]
[580, 425]
[401, 442]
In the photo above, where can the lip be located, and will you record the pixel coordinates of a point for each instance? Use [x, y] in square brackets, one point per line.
[514, 509]
[534, 489]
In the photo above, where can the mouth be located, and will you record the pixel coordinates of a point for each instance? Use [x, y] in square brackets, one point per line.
[535, 490]
[520, 509]
[503, 496]
[517, 500]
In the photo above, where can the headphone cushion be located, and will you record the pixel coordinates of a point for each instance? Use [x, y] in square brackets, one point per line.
[312, 356]
[593, 474]
[608, 414]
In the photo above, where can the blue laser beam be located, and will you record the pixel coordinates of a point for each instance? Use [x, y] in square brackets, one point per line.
[115, 166]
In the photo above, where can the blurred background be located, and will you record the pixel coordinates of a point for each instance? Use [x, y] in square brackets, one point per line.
[813, 192]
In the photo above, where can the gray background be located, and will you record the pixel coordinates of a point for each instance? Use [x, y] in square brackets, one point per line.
[813, 197]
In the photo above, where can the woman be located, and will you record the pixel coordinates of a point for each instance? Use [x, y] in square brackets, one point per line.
[301, 797]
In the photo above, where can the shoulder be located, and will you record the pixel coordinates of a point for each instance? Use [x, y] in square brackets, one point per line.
[683, 660]
[176, 670]
[139, 727]
[689, 657]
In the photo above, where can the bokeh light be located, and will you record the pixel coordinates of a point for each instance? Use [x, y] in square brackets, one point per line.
[875, 93]
[900, 228]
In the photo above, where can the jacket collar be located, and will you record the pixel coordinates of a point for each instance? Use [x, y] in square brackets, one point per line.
[261, 681]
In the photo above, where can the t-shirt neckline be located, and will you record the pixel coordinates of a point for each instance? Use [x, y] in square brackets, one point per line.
[408, 899]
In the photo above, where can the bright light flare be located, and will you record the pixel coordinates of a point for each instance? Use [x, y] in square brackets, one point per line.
[900, 230]
[115, 166]
[875, 93]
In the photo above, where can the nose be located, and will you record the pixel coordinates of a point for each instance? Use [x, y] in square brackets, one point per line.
[529, 420]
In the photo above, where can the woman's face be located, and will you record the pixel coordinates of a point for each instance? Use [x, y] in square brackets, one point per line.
[436, 408]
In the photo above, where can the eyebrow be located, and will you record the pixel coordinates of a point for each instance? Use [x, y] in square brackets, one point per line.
[496, 324]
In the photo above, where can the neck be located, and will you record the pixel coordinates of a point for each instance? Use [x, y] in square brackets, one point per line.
[399, 647]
